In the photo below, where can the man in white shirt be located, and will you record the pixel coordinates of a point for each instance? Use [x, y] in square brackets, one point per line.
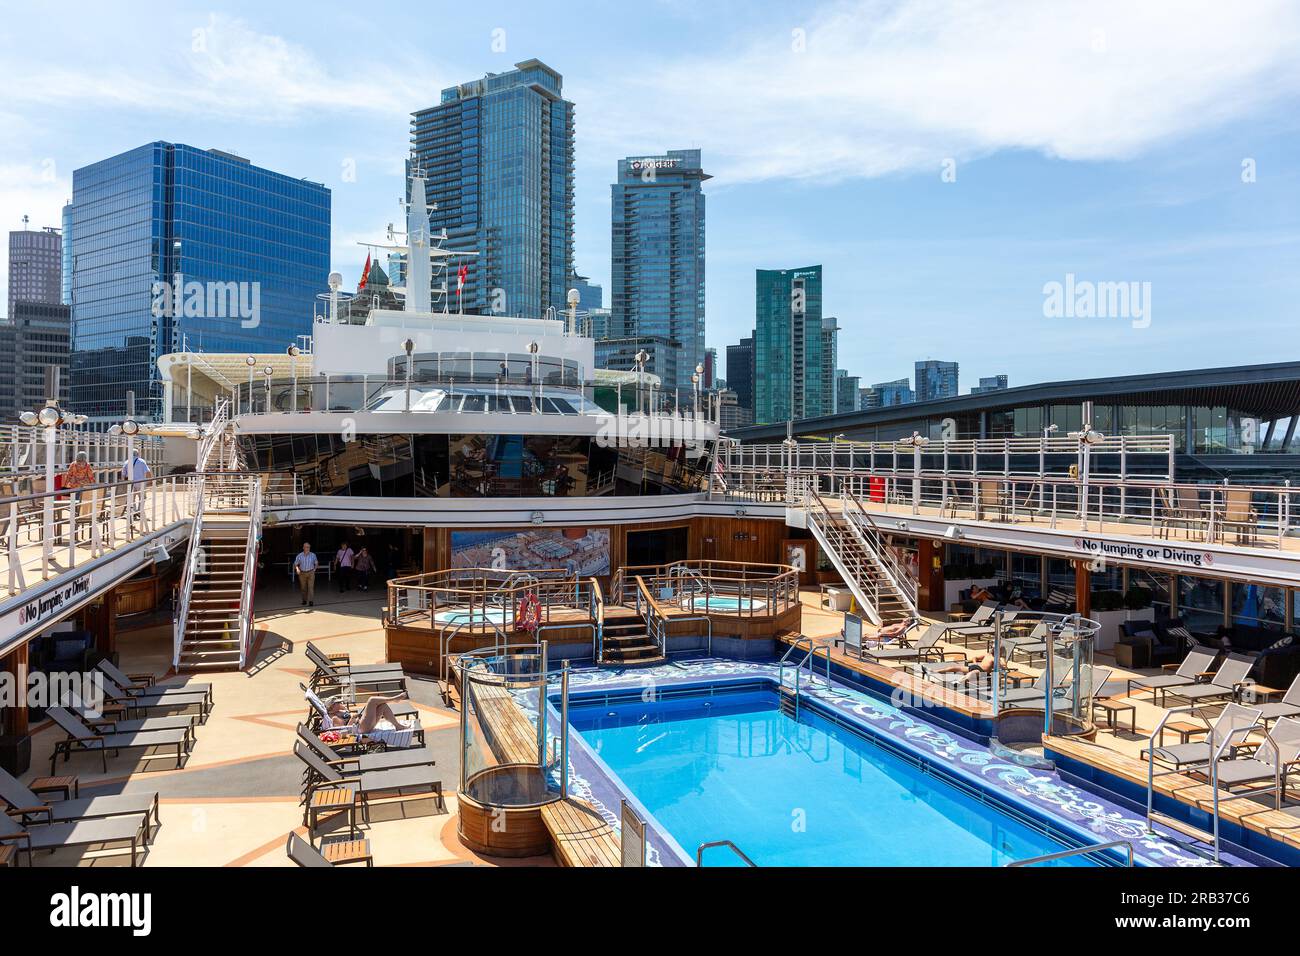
[137, 471]
[304, 566]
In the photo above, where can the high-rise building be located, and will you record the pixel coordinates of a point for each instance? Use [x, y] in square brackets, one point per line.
[830, 358]
[710, 377]
[498, 157]
[35, 266]
[619, 353]
[590, 294]
[598, 323]
[740, 373]
[897, 392]
[34, 338]
[169, 244]
[846, 391]
[788, 338]
[731, 414]
[657, 254]
[868, 397]
[990, 383]
[935, 379]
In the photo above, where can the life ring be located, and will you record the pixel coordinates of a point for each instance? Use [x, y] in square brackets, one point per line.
[529, 615]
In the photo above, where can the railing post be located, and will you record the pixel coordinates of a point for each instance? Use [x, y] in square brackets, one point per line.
[564, 731]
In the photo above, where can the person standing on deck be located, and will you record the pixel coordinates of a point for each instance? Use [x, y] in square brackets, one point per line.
[365, 566]
[304, 566]
[343, 561]
[137, 471]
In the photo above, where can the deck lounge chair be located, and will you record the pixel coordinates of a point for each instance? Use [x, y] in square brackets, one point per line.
[1288, 706]
[133, 684]
[927, 648]
[82, 738]
[1197, 662]
[306, 855]
[28, 807]
[1225, 683]
[401, 737]
[1273, 760]
[376, 783]
[1232, 722]
[55, 836]
[983, 614]
[362, 677]
[94, 719]
[364, 763]
[155, 698]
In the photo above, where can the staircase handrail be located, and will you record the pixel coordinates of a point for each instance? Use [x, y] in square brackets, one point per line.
[832, 535]
[250, 570]
[873, 539]
[182, 610]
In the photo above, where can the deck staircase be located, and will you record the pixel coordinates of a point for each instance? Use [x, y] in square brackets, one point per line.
[885, 592]
[627, 641]
[213, 621]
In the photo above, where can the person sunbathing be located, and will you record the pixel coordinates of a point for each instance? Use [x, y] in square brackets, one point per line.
[377, 712]
[974, 670]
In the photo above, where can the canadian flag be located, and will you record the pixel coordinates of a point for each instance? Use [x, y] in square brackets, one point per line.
[461, 273]
[365, 275]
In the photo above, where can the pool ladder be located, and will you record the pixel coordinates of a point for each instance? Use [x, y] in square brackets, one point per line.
[790, 696]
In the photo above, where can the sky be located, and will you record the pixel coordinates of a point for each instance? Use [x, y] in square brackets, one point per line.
[945, 162]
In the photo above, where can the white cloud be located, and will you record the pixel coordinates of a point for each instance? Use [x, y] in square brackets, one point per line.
[224, 67]
[889, 85]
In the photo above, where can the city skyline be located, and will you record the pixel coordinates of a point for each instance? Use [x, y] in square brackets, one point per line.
[1199, 201]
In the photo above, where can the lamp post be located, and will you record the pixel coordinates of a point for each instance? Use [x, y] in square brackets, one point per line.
[642, 356]
[293, 352]
[696, 380]
[250, 361]
[917, 442]
[268, 371]
[409, 346]
[1087, 437]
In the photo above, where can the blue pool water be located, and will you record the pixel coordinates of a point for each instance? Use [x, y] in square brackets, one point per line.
[722, 602]
[807, 793]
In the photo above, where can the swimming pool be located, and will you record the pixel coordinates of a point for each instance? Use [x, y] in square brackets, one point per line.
[723, 602]
[464, 615]
[731, 765]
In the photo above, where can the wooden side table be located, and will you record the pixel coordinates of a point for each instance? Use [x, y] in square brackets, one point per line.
[331, 801]
[1183, 729]
[69, 786]
[1112, 706]
[342, 852]
[1018, 677]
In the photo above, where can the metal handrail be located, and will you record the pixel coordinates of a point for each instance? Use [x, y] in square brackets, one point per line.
[250, 570]
[1078, 851]
[699, 853]
[182, 611]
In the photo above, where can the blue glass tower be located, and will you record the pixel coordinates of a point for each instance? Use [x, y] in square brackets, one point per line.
[167, 244]
[935, 380]
[657, 247]
[498, 157]
[789, 379]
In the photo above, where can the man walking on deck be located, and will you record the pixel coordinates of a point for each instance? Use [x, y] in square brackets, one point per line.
[343, 561]
[304, 566]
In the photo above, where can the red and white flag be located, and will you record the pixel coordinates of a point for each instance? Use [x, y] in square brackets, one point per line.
[365, 275]
[461, 273]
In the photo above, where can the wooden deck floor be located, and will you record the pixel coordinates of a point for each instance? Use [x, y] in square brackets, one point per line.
[579, 835]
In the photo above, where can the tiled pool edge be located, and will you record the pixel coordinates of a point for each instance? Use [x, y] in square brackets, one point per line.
[1050, 800]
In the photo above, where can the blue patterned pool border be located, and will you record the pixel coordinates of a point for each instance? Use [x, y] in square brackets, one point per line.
[1080, 815]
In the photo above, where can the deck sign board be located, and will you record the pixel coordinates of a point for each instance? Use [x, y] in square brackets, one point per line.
[48, 605]
[1103, 550]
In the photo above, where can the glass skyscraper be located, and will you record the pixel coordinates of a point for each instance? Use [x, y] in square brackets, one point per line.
[497, 154]
[788, 343]
[169, 244]
[657, 255]
[935, 380]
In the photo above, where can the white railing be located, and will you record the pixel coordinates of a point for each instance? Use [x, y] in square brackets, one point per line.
[181, 613]
[847, 554]
[250, 570]
[43, 533]
[1122, 456]
[25, 449]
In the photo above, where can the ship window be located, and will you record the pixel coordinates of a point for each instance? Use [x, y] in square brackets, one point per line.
[499, 403]
[472, 403]
[523, 403]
